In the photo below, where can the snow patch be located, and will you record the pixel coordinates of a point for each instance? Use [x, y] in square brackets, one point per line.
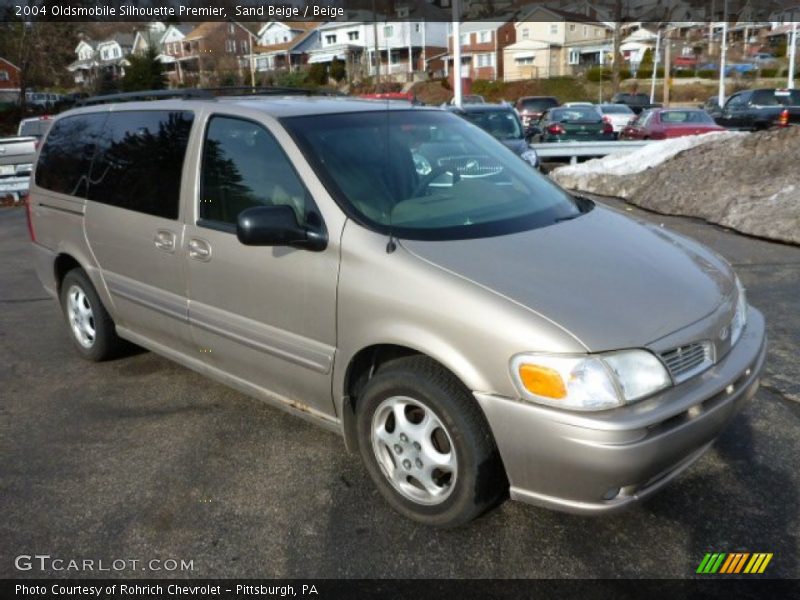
[641, 159]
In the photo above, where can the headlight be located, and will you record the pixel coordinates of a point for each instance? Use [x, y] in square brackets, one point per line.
[589, 382]
[530, 157]
[740, 316]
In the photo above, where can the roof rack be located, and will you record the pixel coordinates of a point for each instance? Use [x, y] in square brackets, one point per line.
[205, 94]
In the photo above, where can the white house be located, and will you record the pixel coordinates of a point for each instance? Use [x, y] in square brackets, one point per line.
[105, 57]
[403, 47]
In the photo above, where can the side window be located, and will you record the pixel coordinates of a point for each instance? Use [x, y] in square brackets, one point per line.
[66, 156]
[243, 166]
[139, 161]
[735, 101]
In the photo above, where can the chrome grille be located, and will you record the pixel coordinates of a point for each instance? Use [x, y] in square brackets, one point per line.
[685, 361]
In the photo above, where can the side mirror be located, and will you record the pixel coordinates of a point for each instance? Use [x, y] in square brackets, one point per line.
[276, 226]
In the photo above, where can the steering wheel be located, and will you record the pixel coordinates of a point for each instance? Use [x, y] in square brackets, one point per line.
[431, 177]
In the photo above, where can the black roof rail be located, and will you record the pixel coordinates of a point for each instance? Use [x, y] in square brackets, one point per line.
[205, 94]
[272, 91]
[183, 93]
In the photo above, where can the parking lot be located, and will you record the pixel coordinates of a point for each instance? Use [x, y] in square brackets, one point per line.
[141, 459]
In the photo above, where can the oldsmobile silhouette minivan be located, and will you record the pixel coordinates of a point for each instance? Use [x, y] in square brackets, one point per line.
[398, 276]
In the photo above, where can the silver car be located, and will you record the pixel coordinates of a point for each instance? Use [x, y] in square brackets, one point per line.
[401, 278]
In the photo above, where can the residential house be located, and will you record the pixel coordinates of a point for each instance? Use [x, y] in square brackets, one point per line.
[213, 52]
[404, 48]
[284, 45]
[9, 75]
[165, 39]
[482, 46]
[635, 45]
[98, 59]
[553, 43]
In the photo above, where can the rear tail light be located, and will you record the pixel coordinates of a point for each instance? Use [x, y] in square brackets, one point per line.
[555, 130]
[31, 232]
[607, 126]
[783, 119]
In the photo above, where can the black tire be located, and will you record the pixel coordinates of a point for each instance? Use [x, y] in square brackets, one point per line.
[106, 343]
[480, 481]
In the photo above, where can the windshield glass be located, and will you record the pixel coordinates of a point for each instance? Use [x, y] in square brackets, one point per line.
[428, 175]
[538, 104]
[679, 117]
[616, 109]
[575, 113]
[776, 97]
[502, 124]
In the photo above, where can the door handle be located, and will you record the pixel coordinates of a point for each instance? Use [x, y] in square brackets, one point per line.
[165, 240]
[199, 250]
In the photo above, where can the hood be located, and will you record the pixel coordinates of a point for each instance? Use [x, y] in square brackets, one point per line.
[609, 280]
[517, 146]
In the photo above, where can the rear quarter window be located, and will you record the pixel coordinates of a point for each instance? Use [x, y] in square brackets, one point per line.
[139, 161]
[67, 153]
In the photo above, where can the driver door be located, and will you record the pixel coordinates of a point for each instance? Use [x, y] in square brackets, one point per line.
[265, 317]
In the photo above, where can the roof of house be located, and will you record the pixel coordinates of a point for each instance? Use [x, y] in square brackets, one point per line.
[286, 45]
[8, 62]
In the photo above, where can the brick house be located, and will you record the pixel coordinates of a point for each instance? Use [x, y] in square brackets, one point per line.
[212, 49]
[482, 45]
[9, 75]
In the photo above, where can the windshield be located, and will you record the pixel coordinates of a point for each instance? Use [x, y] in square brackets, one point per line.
[616, 109]
[502, 124]
[679, 117]
[538, 104]
[776, 97]
[575, 113]
[428, 175]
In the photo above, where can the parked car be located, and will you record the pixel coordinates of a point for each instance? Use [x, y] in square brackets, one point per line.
[619, 115]
[531, 108]
[16, 163]
[502, 122]
[35, 127]
[663, 123]
[636, 102]
[42, 100]
[751, 110]
[398, 277]
[577, 123]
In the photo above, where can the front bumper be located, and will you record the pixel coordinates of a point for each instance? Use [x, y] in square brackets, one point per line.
[600, 462]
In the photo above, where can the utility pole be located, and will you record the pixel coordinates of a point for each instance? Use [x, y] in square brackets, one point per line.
[457, 53]
[792, 54]
[723, 54]
[376, 53]
[655, 66]
[667, 66]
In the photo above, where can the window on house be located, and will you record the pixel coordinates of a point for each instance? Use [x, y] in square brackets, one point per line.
[4, 76]
[231, 28]
[553, 28]
[243, 46]
[485, 60]
[464, 39]
[330, 39]
[526, 33]
[572, 26]
[417, 27]
[524, 60]
[484, 37]
[585, 31]
[574, 57]
[388, 31]
[352, 36]
[394, 58]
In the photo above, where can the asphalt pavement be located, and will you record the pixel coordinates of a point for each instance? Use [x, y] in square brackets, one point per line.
[139, 459]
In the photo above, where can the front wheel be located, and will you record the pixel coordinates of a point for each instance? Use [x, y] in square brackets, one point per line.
[426, 444]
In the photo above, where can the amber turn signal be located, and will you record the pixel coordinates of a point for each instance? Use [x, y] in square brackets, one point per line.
[542, 381]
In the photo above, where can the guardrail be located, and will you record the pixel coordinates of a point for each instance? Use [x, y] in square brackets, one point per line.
[573, 150]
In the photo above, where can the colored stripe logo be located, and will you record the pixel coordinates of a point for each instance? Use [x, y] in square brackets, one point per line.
[734, 563]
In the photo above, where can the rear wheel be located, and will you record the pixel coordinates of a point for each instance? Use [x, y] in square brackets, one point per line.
[426, 444]
[91, 327]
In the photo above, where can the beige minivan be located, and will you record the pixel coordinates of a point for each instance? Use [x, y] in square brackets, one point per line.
[399, 277]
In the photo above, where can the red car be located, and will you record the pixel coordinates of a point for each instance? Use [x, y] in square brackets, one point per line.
[663, 123]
